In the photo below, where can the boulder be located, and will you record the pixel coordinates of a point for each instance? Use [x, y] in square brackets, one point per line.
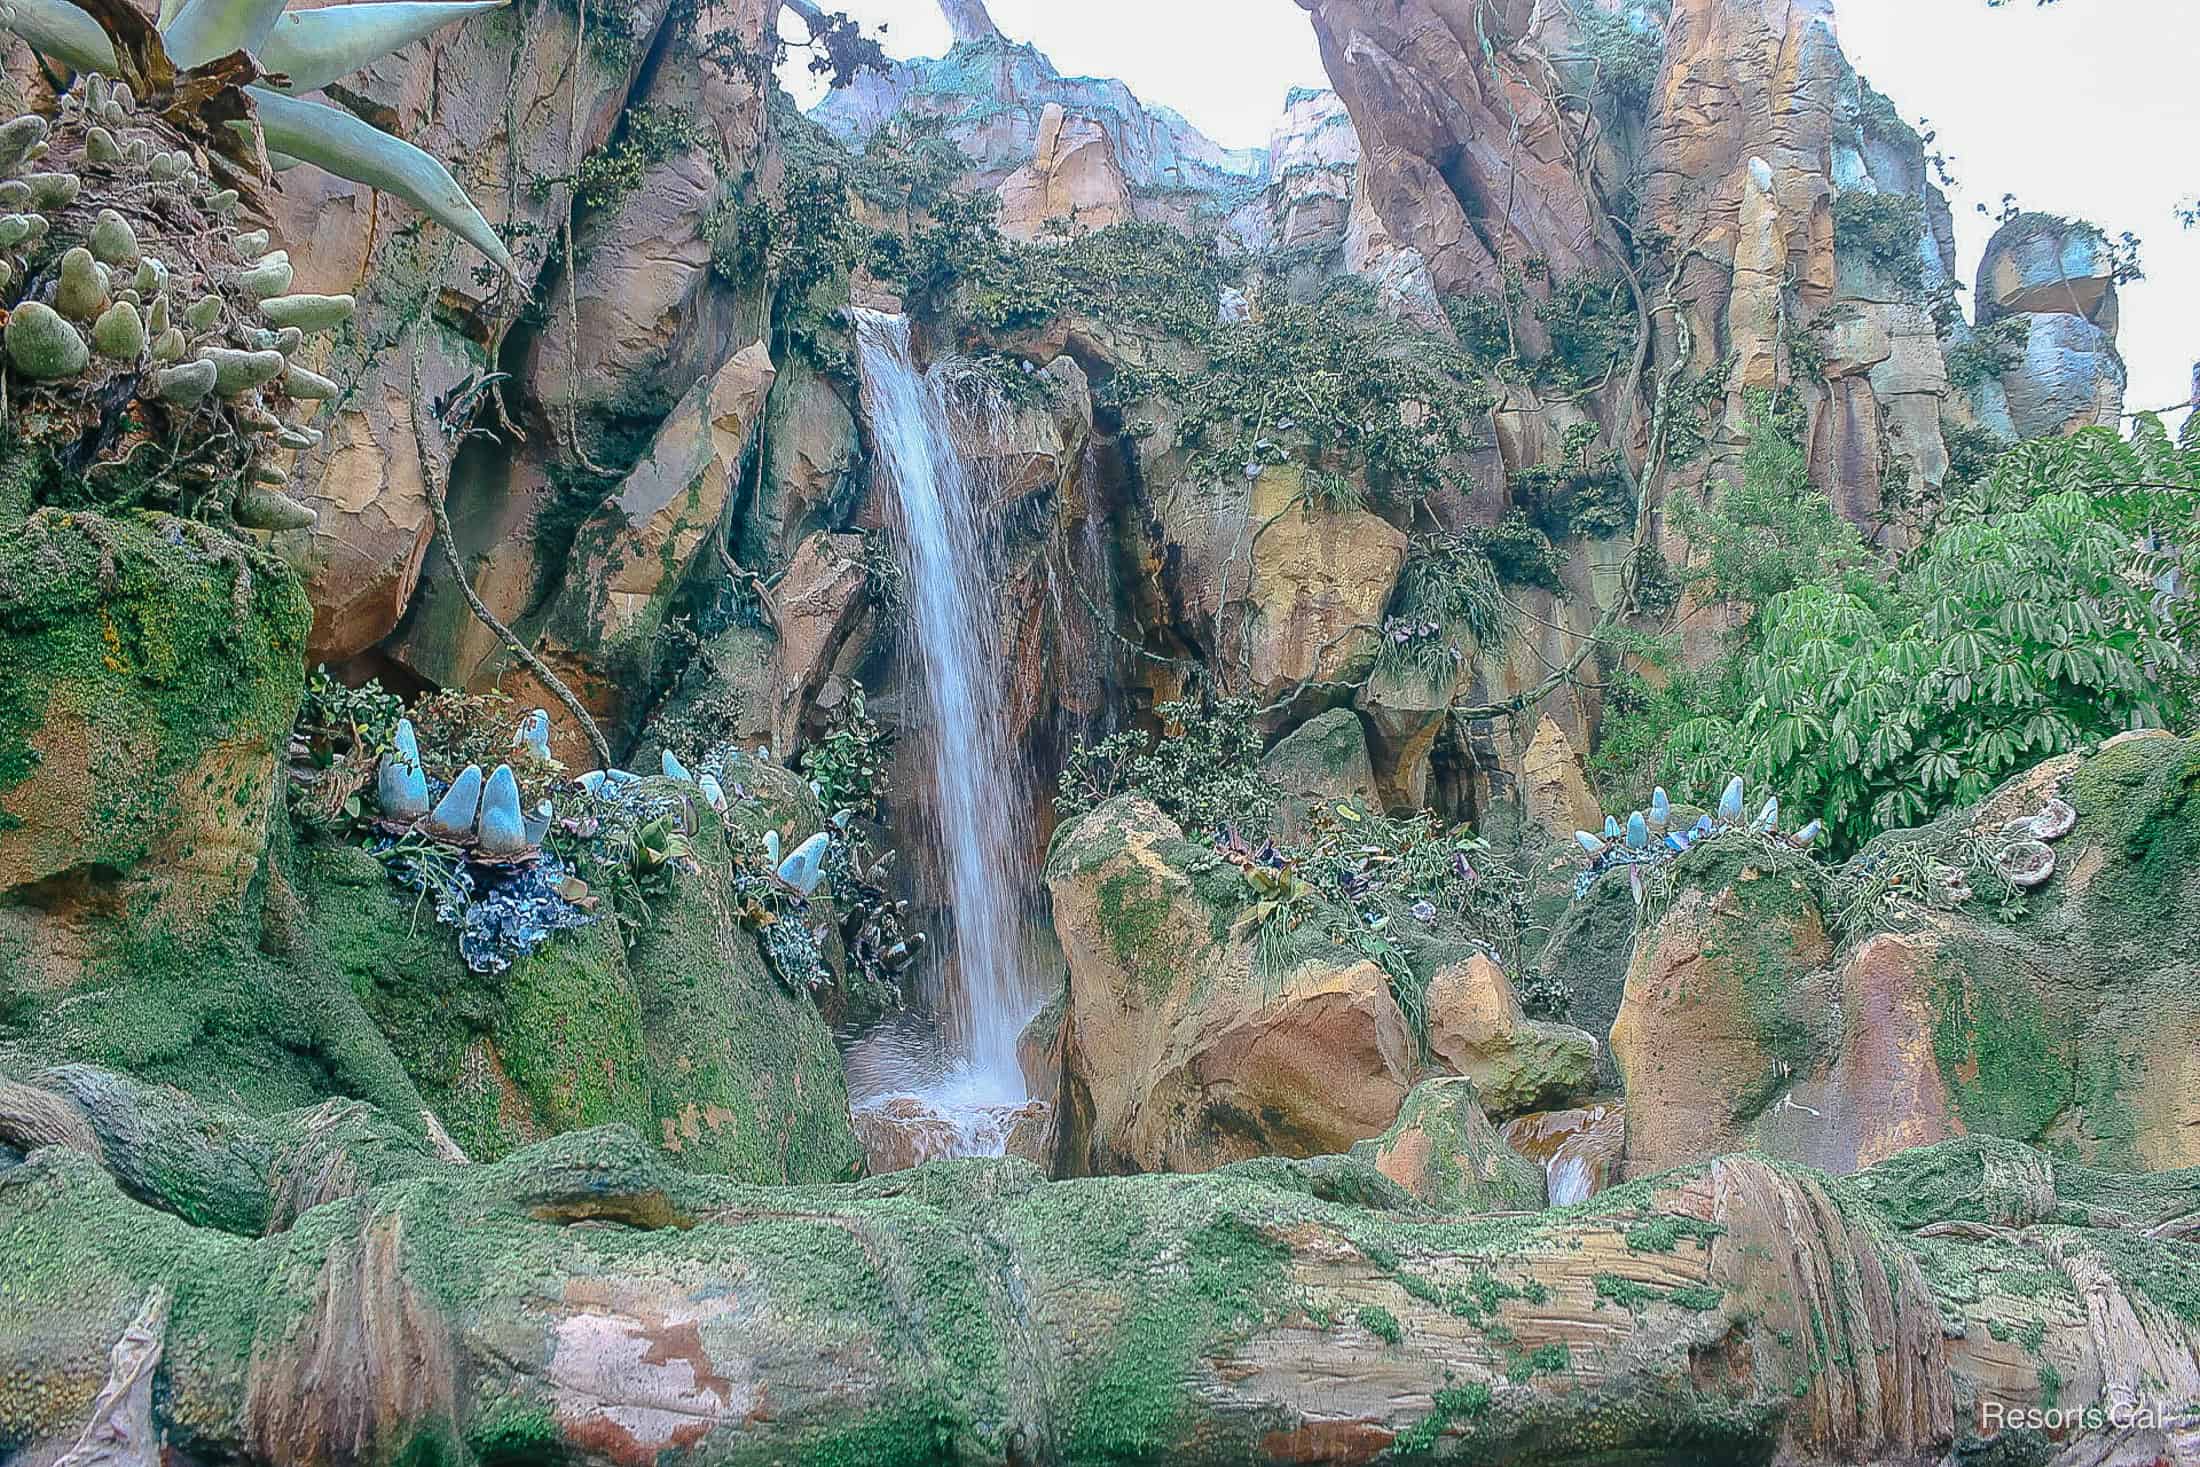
[631, 556]
[1444, 1150]
[1321, 762]
[818, 601]
[904, 1131]
[1554, 789]
[1476, 1027]
[2070, 1024]
[150, 686]
[2041, 264]
[1176, 1055]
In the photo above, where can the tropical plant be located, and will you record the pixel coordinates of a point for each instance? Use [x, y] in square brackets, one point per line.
[154, 345]
[2018, 635]
[241, 66]
[848, 765]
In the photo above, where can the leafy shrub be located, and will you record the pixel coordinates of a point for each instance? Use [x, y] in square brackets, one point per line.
[2018, 636]
[1203, 771]
[1886, 229]
[848, 764]
[1769, 531]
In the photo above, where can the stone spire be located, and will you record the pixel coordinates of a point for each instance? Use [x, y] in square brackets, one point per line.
[968, 20]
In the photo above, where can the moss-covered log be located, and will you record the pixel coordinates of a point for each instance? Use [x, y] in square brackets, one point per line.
[584, 1301]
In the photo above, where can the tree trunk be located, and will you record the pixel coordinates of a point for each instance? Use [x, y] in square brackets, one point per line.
[584, 1300]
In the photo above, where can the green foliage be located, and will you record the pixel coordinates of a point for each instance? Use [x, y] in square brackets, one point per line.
[1886, 229]
[1520, 553]
[1381, 1323]
[338, 719]
[1973, 450]
[647, 136]
[848, 765]
[804, 242]
[1448, 605]
[2018, 635]
[1203, 771]
[1627, 59]
[1329, 382]
[1770, 532]
[1994, 348]
[1591, 320]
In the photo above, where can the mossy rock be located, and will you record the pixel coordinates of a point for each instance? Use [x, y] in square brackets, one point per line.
[1443, 1150]
[150, 671]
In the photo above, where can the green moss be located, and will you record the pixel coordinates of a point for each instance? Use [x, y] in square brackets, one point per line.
[167, 673]
[1995, 1047]
[1663, 1232]
[1135, 912]
[1632, 1296]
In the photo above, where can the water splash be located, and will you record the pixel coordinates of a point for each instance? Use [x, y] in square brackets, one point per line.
[938, 504]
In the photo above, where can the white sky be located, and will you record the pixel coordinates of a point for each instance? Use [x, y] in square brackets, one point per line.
[2085, 108]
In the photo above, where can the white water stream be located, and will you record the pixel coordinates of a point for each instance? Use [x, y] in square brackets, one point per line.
[937, 505]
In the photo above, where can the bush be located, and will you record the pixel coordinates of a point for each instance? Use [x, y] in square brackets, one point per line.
[1204, 769]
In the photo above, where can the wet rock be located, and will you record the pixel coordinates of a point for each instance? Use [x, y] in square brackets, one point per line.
[1578, 1150]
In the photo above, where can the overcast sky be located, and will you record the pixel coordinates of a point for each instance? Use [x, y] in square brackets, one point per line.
[2085, 108]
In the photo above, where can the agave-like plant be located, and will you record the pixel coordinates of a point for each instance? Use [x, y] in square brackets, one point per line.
[204, 51]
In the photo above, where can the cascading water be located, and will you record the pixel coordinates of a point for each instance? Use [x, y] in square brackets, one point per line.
[937, 506]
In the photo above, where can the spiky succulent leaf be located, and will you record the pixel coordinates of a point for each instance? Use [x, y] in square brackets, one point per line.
[350, 148]
[59, 29]
[315, 47]
[205, 29]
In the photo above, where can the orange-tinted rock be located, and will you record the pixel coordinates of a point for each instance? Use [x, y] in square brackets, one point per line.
[1579, 1150]
[1444, 1150]
[1477, 1028]
[1553, 786]
[1177, 1057]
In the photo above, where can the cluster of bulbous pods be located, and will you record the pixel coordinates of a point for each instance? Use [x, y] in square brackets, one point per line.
[480, 813]
[151, 343]
[1646, 839]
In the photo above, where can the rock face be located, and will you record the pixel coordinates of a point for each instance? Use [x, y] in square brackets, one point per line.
[585, 1297]
[2072, 1025]
[1320, 579]
[1072, 176]
[1554, 792]
[1444, 1150]
[1176, 1056]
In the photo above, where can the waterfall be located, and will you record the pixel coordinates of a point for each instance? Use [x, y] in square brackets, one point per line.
[936, 504]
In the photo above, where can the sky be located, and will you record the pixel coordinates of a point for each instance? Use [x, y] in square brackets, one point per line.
[2085, 108]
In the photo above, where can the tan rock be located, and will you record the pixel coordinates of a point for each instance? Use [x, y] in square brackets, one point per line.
[1319, 582]
[630, 557]
[1554, 789]
[819, 601]
[1476, 1027]
[421, 295]
[1177, 1056]
[1073, 175]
